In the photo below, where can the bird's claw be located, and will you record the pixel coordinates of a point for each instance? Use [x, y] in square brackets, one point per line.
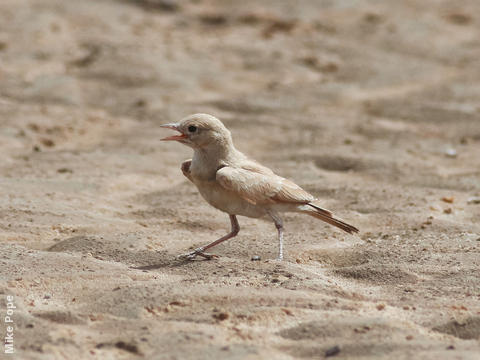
[197, 252]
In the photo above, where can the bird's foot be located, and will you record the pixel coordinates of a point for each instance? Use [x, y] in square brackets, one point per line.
[197, 252]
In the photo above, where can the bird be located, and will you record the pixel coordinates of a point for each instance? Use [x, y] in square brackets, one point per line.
[237, 185]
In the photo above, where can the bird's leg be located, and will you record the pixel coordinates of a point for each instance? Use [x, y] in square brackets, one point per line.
[279, 225]
[280, 241]
[200, 251]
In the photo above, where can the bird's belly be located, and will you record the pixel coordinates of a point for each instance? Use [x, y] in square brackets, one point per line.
[227, 201]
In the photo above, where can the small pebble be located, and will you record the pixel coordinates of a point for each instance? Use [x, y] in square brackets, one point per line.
[64, 170]
[451, 153]
[213, 19]
[48, 142]
[334, 350]
[256, 258]
[473, 200]
[221, 316]
[459, 18]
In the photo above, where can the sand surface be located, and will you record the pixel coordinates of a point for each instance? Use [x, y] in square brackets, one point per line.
[373, 106]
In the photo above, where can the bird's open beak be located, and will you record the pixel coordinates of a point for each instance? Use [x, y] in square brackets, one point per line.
[173, 137]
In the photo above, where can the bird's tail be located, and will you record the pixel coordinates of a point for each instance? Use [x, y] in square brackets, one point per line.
[327, 216]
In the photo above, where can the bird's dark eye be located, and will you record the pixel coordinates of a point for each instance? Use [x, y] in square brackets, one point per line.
[192, 128]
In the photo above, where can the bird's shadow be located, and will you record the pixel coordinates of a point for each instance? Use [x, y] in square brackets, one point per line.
[107, 249]
[169, 263]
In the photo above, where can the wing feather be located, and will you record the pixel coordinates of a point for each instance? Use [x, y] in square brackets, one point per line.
[261, 187]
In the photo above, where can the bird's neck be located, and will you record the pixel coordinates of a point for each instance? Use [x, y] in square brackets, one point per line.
[209, 158]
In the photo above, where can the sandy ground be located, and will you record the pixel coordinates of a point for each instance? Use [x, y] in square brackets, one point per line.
[373, 106]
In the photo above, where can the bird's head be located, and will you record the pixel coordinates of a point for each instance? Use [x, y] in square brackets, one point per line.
[199, 131]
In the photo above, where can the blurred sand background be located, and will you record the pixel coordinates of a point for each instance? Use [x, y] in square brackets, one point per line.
[373, 106]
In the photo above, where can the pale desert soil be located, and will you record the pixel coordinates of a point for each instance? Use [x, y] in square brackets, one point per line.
[357, 101]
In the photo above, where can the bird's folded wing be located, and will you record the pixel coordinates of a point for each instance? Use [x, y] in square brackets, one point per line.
[261, 188]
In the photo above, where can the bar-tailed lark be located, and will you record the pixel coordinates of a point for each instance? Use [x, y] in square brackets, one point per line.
[231, 182]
